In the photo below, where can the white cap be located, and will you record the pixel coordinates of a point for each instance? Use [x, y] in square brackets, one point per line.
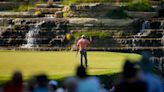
[60, 90]
[83, 36]
[52, 82]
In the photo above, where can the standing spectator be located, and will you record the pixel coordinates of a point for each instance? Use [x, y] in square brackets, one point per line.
[85, 83]
[153, 82]
[130, 81]
[82, 44]
[16, 83]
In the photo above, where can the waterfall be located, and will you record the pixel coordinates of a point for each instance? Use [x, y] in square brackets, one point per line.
[31, 36]
[162, 40]
[145, 25]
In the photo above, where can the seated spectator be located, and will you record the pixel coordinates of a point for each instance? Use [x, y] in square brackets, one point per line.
[130, 81]
[15, 84]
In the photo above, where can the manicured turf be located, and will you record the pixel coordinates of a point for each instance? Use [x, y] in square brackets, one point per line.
[59, 64]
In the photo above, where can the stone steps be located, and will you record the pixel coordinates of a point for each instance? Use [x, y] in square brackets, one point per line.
[17, 15]
[46, 10]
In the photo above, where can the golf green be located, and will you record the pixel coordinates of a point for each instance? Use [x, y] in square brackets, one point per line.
[59, 64]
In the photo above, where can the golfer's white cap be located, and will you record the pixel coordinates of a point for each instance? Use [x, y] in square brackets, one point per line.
[83, 36]
[52, 82]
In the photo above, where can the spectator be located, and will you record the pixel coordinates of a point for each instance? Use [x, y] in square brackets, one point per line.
[130, 81]
[41, 83]
[85, 83]
[153, 82]
[60, 90]
[30, 84]
[70, 84]
[52, 86]
[103, 89]
[15, 84]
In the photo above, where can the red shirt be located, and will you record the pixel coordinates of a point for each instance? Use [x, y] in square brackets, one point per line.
[83, 43]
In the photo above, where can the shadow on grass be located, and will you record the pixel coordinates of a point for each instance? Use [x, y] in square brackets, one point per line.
[106, 79]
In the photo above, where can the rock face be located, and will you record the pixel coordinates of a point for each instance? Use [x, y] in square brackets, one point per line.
[134, 14]
[102, 21]
[94, 10]
[53, 31]
[59, 14]
[48, 31]
[150, 38]
[161, 13]
[7, 5]
[96, 24]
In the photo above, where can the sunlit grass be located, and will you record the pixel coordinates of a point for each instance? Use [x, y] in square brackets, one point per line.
[59, 64]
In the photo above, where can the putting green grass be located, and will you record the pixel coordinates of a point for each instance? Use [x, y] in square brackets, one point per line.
[59, 64]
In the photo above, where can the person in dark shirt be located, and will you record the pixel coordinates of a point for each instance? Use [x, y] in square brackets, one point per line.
[130, 81]
[15, 84]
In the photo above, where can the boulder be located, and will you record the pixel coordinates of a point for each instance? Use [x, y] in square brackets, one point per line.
[59, 14]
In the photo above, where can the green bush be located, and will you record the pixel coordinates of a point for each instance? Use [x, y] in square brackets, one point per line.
[28, 4]
[94, 34]
[117, 13]
[67, 2]
[120, 33]
[23, 8]
[141, 5]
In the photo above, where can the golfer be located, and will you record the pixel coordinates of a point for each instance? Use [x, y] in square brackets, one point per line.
[82, 44]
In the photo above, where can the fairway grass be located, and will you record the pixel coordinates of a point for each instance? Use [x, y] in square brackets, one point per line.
[59, 64]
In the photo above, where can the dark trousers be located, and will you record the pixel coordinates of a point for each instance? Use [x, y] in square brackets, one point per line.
[83, 53]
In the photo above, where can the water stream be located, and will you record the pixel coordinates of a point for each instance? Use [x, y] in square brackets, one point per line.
[32, 35]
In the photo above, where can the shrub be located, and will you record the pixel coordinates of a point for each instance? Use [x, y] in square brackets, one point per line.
[38, 12]
[117, 13]
[23, 8]
[65, 14]
[120, 33]
[141, 5]
[67, 2]
[68, 36]
[94, 34]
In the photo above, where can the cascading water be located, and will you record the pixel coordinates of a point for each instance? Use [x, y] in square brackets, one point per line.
[162, 40]
[143, 32]
[145, 25]
[31, 36]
